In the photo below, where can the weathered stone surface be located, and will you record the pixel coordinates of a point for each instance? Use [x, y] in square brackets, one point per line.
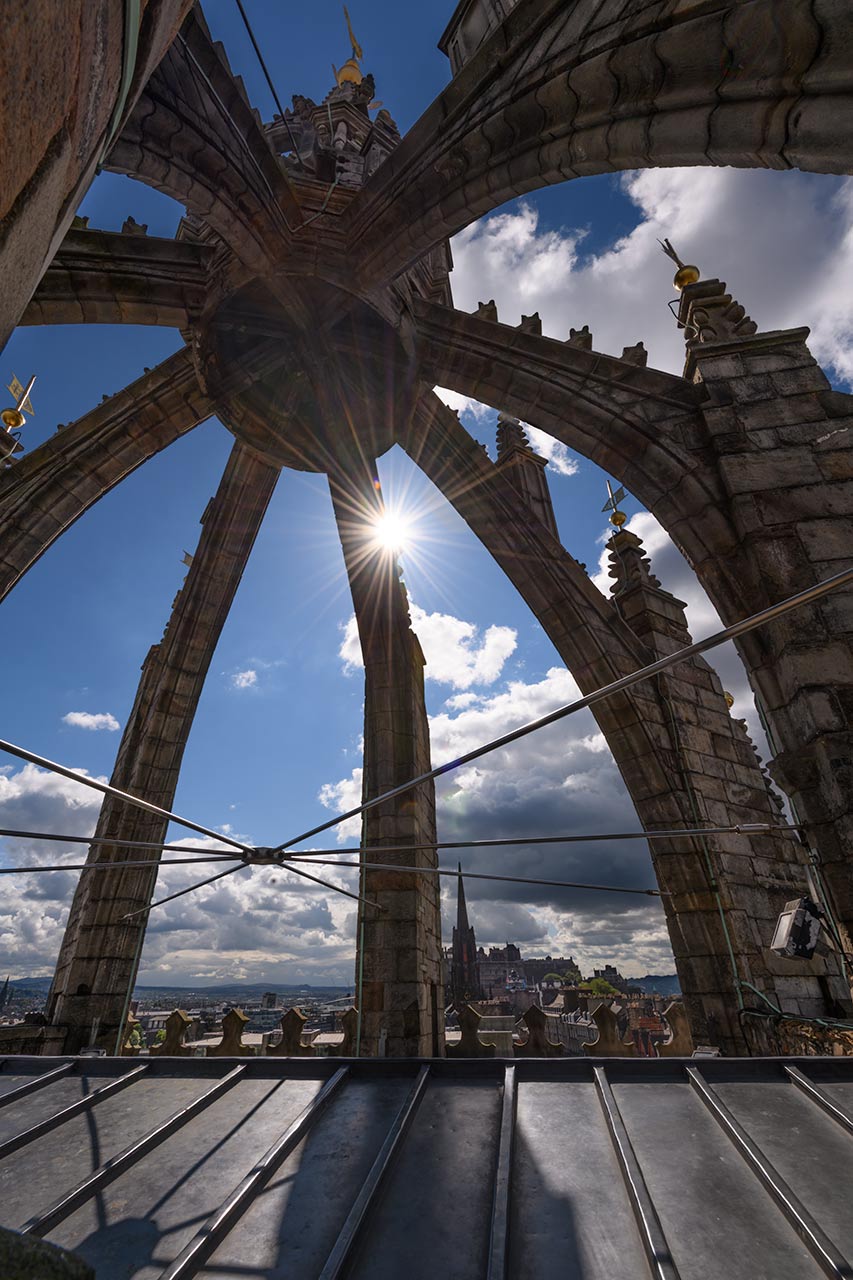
[538, 1043]
[102, 277]
[609, 1043]
[713, 777]
[291, 1045]
[59, 89]
[746, 460]
[50, 488]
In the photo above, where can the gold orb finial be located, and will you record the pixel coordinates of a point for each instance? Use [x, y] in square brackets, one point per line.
[12, 419]
[618, 519]
[687, 273]
[730, 702]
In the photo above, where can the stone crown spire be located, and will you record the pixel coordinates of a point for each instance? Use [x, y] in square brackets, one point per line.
[629, 564]
[524, 468]
[510, 435]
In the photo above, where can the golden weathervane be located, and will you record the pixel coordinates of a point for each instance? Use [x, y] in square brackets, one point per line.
[617, 517]
[350, 72]
[13, 418]
[687, 273]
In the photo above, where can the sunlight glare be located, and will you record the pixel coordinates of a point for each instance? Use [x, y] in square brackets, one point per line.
[392, 532]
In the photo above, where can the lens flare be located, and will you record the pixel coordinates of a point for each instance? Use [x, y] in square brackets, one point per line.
[392, 532]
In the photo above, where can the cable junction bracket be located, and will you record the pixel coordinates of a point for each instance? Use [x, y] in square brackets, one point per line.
[264, 857]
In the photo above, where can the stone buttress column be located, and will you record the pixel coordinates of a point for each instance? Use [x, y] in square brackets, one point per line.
[782, 441]
[685, 763]
[399, 972]
[732, 889]
[100, 952]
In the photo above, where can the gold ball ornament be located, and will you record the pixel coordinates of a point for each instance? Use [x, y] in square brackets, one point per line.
[618, 519]
[730, 702]
[687, 274]
[12, 419]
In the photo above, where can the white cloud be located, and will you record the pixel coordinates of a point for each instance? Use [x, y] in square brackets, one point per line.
[244, 679]
[91, 720]
[460, 403]
[457, 653]
[557, 454]
[793, 273]
[261, 924]
[559, 781]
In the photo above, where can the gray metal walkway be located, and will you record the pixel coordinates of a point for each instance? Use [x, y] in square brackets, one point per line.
[596, 1169]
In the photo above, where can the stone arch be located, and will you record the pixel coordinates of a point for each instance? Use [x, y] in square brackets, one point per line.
[50, 488]
[193, 136]
[559, 93]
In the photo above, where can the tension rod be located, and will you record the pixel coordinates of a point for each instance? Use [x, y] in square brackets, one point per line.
[816, 592]
[107, 790]
[742, 829]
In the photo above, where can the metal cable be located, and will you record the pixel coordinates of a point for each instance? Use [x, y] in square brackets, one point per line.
[107, 790]
[120, 844]
[815, 592]
[745, 829]
[483, 875]
[119, 866]
[748, 828]
[260, 57]
[195, 66]
[230, 871]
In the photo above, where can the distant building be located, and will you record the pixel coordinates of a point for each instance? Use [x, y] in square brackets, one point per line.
[612, 975]
[269, 1000]
[464, 979]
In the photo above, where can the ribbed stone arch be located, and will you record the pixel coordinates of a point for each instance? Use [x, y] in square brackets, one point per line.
[565, 91]
[106, 277]
[193, 136]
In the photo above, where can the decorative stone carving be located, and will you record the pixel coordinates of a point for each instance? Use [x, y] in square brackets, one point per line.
[709, 313]
[580, 338]
[129, 1050]
[130, 227]
[531, 324]
[680, 1044]
[176, 1028]
[470, 1045]
[487, 310]
[231, 1045]
[537, 1044]
[629, 565]
[609, 1043]
[290, 1045]
[637, 355]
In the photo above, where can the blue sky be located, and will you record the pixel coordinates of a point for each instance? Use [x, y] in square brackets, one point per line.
[278, 728]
